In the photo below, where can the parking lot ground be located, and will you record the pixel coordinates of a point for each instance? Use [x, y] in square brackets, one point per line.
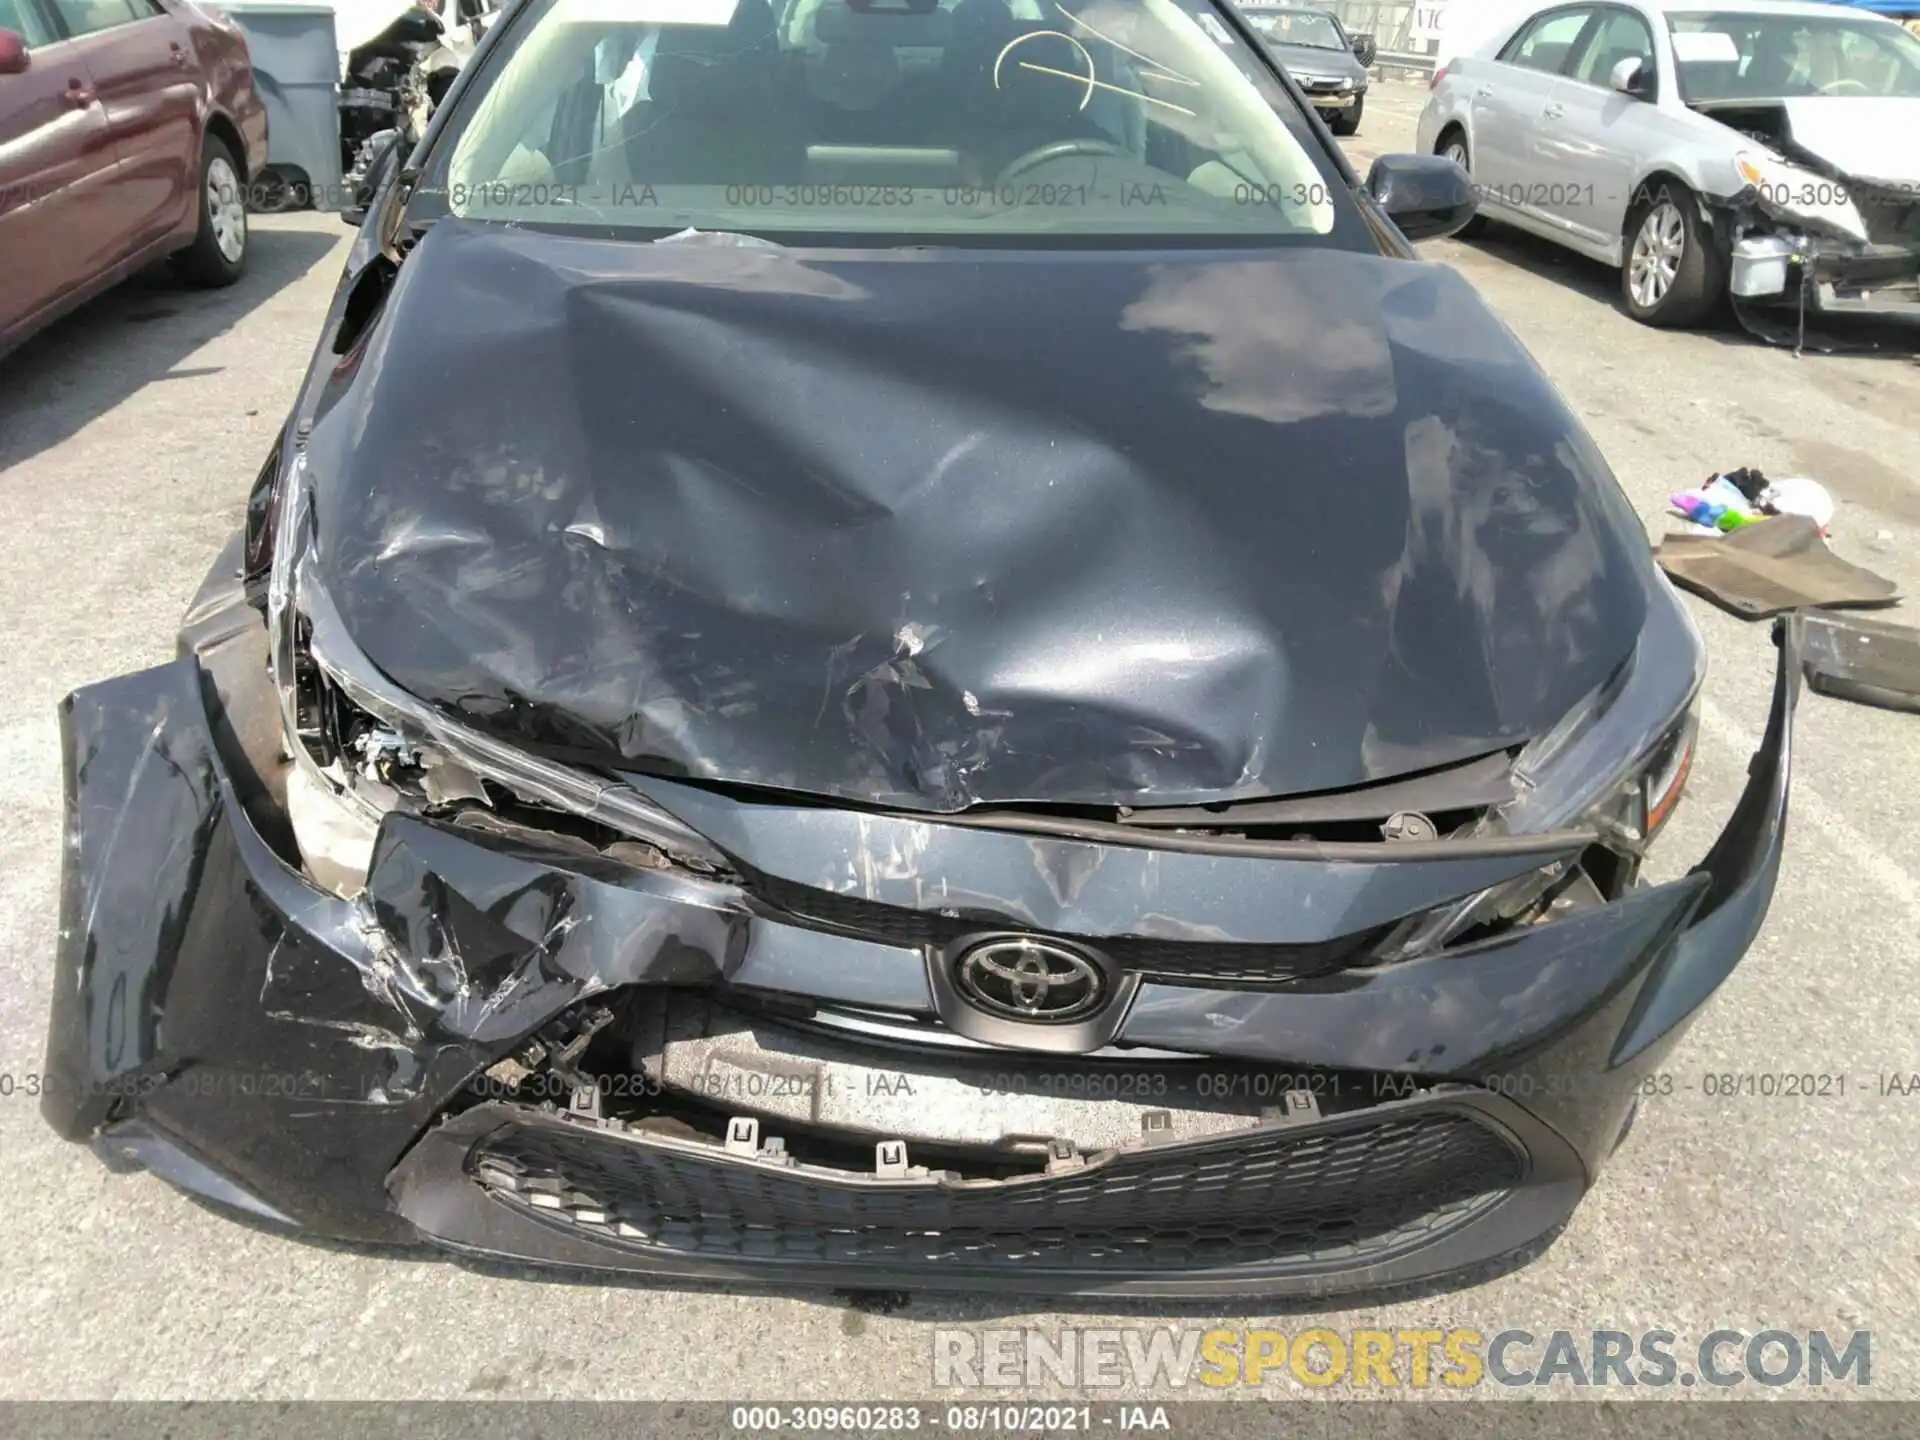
[128, 436]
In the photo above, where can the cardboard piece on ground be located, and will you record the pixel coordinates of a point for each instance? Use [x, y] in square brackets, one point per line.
[1770, 566]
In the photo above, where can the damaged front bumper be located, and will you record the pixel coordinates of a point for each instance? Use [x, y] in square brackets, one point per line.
[1828, 276]
[516, 1051]
[1340, 98]
[1854, 251]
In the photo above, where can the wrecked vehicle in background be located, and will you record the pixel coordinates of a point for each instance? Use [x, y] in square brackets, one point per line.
[340, 77]
[800, 699]
[1769, 151]
[1328, 65]
[399, 63]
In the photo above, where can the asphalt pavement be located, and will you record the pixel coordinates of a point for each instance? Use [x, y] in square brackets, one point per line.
[128, 437]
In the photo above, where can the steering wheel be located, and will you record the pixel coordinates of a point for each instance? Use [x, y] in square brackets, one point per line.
[1061, 150]
[1845, 85]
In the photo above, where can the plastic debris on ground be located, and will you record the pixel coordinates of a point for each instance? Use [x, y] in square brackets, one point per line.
[1870, 661]
[1779, 563]
[1719, 505]
[1797, 495]
[1738, 498]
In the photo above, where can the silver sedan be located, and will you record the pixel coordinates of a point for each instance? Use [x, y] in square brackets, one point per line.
[1769, 150]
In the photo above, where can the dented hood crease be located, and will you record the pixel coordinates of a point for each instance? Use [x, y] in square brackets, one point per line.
[932, 529]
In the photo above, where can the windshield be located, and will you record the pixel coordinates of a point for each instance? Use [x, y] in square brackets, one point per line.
[823, 118]
[1726, 55]
[1297, 27]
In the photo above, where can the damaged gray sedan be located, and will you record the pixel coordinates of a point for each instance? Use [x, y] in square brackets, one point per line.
[906, 646]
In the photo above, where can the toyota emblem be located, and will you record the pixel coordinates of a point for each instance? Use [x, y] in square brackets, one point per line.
[1030, 980]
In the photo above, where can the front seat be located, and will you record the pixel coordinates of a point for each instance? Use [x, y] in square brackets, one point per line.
[860, 88]
[715, 116]
[980, 29]
[1772, 70]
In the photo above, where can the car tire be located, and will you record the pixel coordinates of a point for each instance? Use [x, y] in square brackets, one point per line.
[1347, 121]
[279, 190]
[1673, 273]
[218, 254]
[1453, 145]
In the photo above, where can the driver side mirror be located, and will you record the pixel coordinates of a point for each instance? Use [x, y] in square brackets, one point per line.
[383, 159]
[1364, 48]
[1632, 76]
[1426, 196]
[13, 53]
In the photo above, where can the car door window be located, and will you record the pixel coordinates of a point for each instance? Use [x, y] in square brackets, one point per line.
[88, 17]
[1620, 35]
[1545, 43]
[24, 19]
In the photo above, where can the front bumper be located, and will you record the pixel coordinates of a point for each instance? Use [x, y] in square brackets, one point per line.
[1334, 99]
[332, 1065]
[1825, 276]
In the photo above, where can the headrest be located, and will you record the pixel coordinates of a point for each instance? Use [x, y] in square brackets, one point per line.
[840, 23]
[978, 18]
[702, 85]
[752, 23]
[853, 77]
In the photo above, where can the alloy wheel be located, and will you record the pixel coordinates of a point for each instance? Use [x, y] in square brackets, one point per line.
[1658, 247]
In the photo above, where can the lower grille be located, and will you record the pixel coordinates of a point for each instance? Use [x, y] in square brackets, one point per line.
[1177, 962]
[1348, 1192]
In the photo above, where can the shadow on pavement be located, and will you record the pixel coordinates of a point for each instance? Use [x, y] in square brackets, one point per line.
[1549, 261]
[139, 332]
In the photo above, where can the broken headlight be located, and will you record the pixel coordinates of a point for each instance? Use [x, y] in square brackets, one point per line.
[1788, 192]
[1616, 763]
[361, 746]
[1649, 797]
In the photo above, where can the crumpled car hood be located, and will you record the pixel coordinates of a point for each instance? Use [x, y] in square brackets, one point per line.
[931, 529]
[1867, 137]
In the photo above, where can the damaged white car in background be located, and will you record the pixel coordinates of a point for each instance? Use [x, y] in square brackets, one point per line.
[1769, 151]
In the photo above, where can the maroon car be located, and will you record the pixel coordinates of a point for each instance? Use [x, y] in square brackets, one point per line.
[128, 130]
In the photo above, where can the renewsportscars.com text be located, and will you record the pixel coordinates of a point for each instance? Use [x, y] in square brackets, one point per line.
[1415, 1359]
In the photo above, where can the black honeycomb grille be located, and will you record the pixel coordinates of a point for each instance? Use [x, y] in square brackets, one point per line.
[1324, 1194]
[1176, 962]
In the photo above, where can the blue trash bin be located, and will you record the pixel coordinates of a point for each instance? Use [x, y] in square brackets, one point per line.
[296, 68]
